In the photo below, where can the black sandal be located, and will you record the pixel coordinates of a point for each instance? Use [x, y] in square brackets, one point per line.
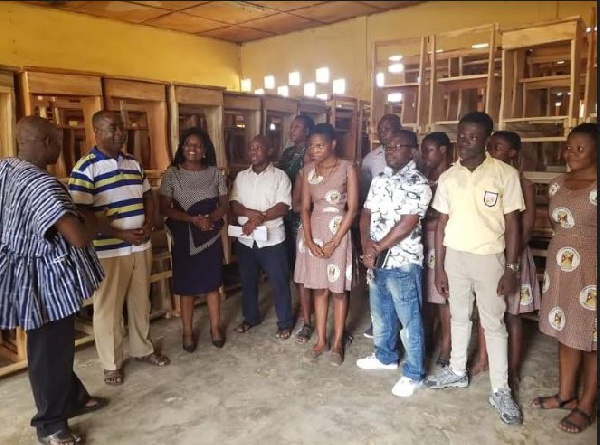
[304, 334]
[61, 437]
[576, 428]
[541, 402]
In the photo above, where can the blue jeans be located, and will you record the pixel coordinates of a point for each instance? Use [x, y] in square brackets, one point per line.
[396, 296]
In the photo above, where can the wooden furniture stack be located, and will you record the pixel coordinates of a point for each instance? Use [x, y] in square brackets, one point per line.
[277, 116]
[69, 101]
[242, 121]
[8, 146]
[412, 83]
[315, 108]
[344, 118]
[465, 76]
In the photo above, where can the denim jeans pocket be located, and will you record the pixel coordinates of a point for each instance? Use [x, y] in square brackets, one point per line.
[405, 278]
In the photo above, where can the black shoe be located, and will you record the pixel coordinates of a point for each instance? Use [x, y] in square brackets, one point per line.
[190, 347]
[218, 343]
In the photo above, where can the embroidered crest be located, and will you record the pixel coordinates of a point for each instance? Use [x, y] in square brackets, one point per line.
[568, 259]
[490, 199]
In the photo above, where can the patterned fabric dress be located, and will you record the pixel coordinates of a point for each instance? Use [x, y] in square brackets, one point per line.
[568, 310]
[197, 254]
[528, 295]
[42, 277]
[329, 196]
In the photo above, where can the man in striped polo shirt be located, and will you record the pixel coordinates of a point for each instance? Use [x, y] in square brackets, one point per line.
[108, 180]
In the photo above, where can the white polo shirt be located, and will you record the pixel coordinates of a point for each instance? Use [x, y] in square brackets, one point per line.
[261, 191]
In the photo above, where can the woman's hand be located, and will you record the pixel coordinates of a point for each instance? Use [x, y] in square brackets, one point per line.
[315, 249]
[202, 222]
[329, 248]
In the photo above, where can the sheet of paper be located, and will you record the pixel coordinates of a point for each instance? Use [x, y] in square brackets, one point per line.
[259, 234]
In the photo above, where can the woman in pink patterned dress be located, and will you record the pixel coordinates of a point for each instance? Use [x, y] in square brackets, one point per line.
[324, 254]
[568, 311]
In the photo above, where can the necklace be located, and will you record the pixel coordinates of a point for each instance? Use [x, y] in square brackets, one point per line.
[329, 169]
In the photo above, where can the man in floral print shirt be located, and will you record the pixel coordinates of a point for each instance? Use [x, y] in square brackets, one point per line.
[391, 240]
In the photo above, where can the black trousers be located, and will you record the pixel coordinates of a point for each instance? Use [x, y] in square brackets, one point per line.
[57, 391]
[273, 260]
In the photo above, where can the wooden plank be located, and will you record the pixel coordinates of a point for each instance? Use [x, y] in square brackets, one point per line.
[12, 368]
[65, 84]
[468, 31]
[174, 129]
[129, 89]
[234, 101]
[538, 35]
[280, 104]
[198, 96]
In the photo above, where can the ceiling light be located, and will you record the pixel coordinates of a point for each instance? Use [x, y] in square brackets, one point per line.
[396, 58]
[339, 86]
[294, 78]
[269, 82]
[560, 62]
[394, 97]
[480, 45]
[310, 89]
[322, 75]
[259, 91]
[439, 50]
[283, 90]
[557, 104]
[246, 85]
[380, 79]
[396, 68]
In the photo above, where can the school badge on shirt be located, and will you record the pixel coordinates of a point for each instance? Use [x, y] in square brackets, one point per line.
[490, 199]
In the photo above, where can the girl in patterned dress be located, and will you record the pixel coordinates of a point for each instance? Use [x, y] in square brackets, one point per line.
[435, 150]
[193, 197]
[568, 310]
[505, 146]
[324, 255]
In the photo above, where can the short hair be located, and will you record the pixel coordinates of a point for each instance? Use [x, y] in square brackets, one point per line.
[326, 130]
[586, 128]
[394, 119]
[308, 121]
[440, 138]
[513, 139]
[99, 116]
[479, 118]
[210, 158]
[410, 134]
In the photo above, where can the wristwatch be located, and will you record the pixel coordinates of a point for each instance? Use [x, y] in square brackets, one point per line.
[515, 267]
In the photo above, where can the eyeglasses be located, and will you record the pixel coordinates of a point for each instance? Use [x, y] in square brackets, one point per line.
[397, 147]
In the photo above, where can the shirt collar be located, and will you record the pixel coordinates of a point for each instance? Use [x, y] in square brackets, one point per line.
[103, 156]
[410, 166]
[487, 160]
[269, 168]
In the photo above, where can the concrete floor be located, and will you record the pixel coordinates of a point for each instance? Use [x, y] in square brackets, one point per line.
[259, 390]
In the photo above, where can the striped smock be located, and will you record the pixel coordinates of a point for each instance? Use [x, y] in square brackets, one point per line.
[42, 277]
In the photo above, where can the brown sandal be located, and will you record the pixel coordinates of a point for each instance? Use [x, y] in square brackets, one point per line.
[113, 377]
[568, 426]
[155, 359]
[542, 402]
[243, 327]
[283, 334]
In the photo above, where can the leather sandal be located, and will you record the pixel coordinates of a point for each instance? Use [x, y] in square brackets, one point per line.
[113, 377]
[61, 437]
[568, 426]
[542, 402]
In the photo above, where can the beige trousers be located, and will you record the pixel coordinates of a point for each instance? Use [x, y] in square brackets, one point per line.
[127, 280]
[475, 278]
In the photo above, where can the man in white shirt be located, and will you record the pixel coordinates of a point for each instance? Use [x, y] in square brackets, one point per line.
[261, 196]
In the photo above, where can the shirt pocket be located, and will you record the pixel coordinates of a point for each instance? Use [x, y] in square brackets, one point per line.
[489, 194]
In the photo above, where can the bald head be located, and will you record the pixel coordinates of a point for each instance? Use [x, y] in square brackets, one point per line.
[32, 128]
[38, 140]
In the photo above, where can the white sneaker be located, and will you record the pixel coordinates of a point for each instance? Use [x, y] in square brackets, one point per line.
[406, 387]
[372, 362]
